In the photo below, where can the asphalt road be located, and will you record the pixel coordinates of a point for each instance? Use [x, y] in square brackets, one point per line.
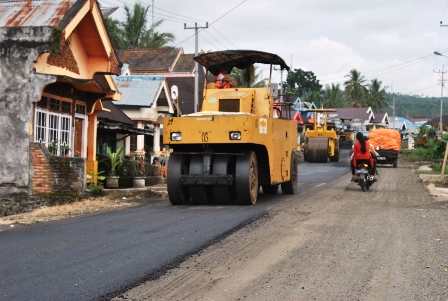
[334, 242]
[104, 255]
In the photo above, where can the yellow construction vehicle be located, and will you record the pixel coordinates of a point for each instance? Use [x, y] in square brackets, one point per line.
[321, 140]
[234, 145]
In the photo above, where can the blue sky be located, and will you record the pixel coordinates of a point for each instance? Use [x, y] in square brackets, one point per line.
[393, 41]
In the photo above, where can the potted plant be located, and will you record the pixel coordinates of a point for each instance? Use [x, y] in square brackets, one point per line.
[138, 170]
[115, 164]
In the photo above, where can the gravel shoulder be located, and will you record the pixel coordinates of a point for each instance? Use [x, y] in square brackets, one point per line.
[112, 200]
[331, 243]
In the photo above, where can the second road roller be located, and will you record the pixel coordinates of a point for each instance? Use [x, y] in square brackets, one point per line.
[321, 139]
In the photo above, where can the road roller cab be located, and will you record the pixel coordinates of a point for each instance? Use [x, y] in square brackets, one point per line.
[321, 139]
[236, 144]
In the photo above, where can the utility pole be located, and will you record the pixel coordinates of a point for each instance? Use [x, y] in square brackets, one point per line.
[196, 74]
[152, 15]
[441, 99]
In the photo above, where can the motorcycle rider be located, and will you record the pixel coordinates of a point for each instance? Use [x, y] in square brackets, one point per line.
[362, 154]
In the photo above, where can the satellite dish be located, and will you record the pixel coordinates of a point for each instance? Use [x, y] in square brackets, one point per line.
[174, 92]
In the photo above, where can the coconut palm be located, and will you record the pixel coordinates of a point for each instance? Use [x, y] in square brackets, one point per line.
[116, 33]
[133, 32]
[377, 95]
[135, 24]
[355, 89]
[155, 39]
[333, 96]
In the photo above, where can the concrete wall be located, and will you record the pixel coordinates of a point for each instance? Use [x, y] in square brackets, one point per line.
[19, 88]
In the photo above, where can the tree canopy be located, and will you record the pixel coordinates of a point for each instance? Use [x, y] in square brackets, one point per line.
[133, 32]
[302, 83]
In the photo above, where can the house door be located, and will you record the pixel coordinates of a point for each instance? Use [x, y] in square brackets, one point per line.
[78, 135]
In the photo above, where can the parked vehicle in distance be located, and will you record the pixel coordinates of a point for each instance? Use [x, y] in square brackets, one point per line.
[387, 143]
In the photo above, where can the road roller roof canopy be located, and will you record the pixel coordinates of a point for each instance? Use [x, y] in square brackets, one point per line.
[241, 59]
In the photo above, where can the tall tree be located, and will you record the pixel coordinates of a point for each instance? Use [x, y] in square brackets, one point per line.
[302, 83]
[155, 39]
[116, 33]
[135, 24]
[355, 89]
[333, 96]
[133, 32]
[377, 95]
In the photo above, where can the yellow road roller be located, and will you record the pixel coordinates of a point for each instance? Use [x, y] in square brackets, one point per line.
[238, 142]
[321, 139]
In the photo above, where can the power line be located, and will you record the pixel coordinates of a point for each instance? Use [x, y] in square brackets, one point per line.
[223, 36]
[211, 23]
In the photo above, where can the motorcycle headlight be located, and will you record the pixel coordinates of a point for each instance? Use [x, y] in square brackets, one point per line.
[235, 135]
[176, 136]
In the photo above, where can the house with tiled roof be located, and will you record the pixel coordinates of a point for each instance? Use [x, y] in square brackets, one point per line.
[150, 61]
[56, 62]
[380, 121]
[177, 69]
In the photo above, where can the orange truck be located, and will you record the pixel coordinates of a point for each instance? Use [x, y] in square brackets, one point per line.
[387, 143]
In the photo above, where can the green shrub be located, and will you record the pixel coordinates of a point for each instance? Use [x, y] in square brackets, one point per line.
[96, 189]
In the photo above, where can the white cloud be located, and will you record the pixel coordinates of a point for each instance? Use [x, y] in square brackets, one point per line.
[325, 36]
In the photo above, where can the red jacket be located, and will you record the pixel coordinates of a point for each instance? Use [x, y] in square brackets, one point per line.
[220, 83]
[357, 154]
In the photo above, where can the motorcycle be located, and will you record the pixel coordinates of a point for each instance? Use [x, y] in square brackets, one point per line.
[363, 177]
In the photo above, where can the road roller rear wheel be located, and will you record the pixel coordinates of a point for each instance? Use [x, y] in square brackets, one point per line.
[200, 194]
[223, 194]
[177, 193]
[290, 187]
[246, 178]
[318, 150]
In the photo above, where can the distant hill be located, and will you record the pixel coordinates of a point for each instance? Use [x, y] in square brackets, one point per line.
[408, 106]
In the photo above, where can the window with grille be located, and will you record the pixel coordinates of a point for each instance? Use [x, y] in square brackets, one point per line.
[54, 131]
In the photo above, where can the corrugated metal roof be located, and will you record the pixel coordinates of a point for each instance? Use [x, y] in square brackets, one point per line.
[138, 90]
[33, 13]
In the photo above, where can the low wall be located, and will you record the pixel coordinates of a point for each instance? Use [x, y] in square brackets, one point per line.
[11, 206]
[54, 180]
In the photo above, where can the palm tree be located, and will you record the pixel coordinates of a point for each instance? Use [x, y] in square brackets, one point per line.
[116, 33]
[154, 39]
[132, 33]
[355, 89]
[241, 78]
[333, 96]
[377, 95]
[135, 24]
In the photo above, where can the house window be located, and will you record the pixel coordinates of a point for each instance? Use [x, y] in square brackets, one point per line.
[54, 131]
[80, 109]
[133, 143]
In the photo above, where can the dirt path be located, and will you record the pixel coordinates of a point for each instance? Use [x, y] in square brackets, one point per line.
[336, 243]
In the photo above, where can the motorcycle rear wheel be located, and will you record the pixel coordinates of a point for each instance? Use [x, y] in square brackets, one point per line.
[362, 183]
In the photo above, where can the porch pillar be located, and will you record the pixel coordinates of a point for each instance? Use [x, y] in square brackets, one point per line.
[91, 163]
[140, 138]
[156, 143]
